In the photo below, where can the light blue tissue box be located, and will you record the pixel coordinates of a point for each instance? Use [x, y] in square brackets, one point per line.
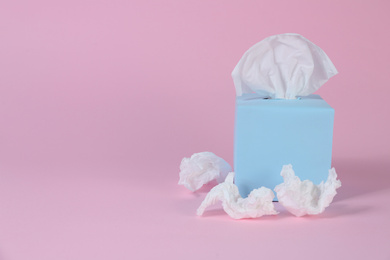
[270, 133]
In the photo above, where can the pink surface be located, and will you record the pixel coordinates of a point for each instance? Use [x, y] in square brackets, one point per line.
[100, 100]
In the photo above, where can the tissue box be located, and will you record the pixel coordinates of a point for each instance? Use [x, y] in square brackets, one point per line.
[270, 133]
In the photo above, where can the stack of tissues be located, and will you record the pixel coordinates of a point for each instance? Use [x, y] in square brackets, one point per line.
[279, 124]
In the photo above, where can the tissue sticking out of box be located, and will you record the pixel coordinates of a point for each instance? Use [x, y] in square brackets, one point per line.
[257, 204]
[202, 168]
[283, 66]
[303, 197]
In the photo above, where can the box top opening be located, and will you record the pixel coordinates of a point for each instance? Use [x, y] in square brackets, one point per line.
[312, 101]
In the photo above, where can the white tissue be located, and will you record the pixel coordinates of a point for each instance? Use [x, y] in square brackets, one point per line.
[303, 197]
[257, 204]
[202, 168]
[283, 66]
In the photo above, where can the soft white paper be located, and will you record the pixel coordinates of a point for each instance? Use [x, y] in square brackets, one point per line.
[202, 168]
[303, 197]
[257, 204]
[283, 66]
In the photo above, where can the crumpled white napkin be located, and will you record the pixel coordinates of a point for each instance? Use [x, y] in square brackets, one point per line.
[202, 168]
[257, 204]
[298, 197]
[303, 197]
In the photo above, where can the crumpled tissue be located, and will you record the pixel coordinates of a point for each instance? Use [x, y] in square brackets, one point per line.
[202, 168]
[303, 197]
[257, 204]
[283, 66]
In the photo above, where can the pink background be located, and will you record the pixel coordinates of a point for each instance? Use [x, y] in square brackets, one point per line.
[100, 101]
